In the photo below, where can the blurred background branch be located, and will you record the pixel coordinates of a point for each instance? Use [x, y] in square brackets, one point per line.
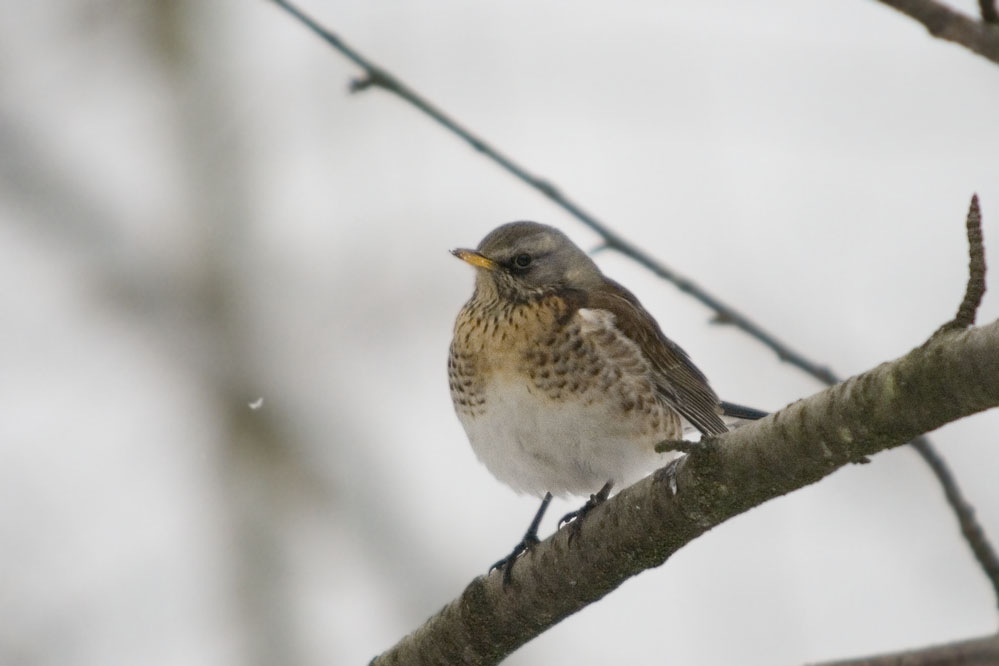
[943, 22]
[989, 12]
[973, 652]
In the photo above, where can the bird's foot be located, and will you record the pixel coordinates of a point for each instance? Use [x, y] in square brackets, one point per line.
[576, 517]
[529, 541]
[506, 564]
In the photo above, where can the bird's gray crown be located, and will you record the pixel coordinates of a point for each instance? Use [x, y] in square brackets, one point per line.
[536, 256]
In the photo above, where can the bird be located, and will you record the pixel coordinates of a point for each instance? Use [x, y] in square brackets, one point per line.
[562, 380]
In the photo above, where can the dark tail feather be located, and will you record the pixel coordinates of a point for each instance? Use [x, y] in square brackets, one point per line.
[735, 411]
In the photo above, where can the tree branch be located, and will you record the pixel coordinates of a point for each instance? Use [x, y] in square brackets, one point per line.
[645, 524]
[972, 652]
[946, 23]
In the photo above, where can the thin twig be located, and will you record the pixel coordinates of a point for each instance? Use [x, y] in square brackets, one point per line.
[679, 445]
[376, 76]
[953, 26]
[975, 288]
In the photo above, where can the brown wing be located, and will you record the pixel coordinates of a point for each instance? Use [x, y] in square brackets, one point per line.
[680, 383]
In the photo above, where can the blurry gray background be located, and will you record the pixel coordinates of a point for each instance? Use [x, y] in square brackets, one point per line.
[194, 214]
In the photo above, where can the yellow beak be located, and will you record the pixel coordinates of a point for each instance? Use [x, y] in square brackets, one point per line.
[476, 259]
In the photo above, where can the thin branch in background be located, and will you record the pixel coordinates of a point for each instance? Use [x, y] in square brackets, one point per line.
[972, 652]
[989, 12]
[376, 76]
[951, 25]
[970, 528]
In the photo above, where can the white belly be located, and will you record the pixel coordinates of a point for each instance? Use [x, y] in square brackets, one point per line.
[575, 446]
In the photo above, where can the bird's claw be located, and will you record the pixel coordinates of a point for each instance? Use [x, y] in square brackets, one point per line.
[506, 564]
[576, 517]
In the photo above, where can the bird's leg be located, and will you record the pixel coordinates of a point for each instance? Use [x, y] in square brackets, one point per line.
[576, 517]
[529, 541]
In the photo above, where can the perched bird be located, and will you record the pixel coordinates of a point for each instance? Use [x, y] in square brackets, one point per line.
[563, 382]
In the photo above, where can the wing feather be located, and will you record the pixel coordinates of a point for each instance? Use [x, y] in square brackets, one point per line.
[678, 380]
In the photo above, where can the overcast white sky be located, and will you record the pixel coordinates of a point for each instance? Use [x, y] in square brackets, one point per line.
[195, 214]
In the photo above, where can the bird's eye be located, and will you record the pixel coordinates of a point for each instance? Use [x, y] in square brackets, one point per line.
[522, 260]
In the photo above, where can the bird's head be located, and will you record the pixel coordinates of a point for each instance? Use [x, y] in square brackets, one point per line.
[521, 260]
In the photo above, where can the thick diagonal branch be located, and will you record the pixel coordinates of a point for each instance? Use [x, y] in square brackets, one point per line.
[645, 524]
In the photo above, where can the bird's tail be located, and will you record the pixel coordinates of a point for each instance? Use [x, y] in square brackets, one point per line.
[741, 412]
[736, 415]
[733, 416]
